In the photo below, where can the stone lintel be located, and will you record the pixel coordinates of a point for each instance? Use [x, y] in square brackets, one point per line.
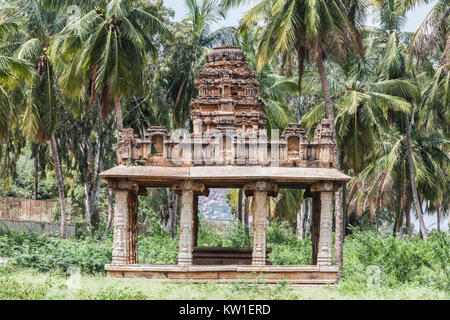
[262, 186]
[124, 185]
[324, 187]
[197, 187]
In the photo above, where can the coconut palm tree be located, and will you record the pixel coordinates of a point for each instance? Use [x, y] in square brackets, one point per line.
[274, 89]
[384, 181]
[14, 75]
[434, 109]
[12, 69]
[315, 29]
[199, 21]
[393, 67]
[40, 117]
[361, 105]
[432, 36]
[104, 52]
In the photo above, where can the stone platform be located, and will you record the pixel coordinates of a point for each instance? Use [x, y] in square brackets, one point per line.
[293, 275]
[224, 256]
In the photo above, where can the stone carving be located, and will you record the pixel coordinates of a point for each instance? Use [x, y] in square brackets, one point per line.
[120, 253]
[324, 193]
[148, 151]
[185, 244]
[229, 126]
[260, 190]
[227, 93]
[125, 226]
[259, 228]
[189, 191]
[326, 221]
[228, 130]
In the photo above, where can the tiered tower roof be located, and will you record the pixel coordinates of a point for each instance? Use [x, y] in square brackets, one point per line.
[227, 94]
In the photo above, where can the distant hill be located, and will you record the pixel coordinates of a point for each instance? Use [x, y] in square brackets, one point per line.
[215, 206]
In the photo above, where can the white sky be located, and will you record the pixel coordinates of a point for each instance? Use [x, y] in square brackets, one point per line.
[414, 19]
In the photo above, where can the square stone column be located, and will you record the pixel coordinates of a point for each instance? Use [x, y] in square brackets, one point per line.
[259, 228]
[125, 223]
[186, 227]
[315, 226]
[195, 221]
[325, 190]
[188, 190]
[260, 190]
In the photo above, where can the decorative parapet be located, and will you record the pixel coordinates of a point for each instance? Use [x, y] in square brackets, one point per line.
[132, 150]
[229, 127]
[231, 147]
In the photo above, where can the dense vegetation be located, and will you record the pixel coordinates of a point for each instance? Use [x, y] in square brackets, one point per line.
[72, 77]
[398, 261]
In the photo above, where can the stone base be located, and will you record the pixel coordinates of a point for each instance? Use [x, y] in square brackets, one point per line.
[225, 256]
[295, 276]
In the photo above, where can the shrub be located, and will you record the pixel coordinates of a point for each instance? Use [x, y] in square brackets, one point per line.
[54, 254]
[401, 260]
[112, 293]
[157, 249]
[14, 290]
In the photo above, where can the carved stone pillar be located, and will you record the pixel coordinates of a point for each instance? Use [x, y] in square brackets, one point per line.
[326, 190]
[125, 223]
[260, 190]
[195, 221]
[185, 246]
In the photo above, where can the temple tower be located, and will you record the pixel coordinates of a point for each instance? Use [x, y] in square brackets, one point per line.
[227, 94]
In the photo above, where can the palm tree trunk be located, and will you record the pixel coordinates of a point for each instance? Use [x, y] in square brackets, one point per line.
[301, 61]
[118, 110]
[339, 223]
[438, 217]
[413, 179]
[399, 223]
[301, 221]
[408, 221]
[305, 218]
[394, 230]
[308, 218]
[110, 211]
[92, 184]
[58, 172]
[87, 204]
[36, 176]
[241, 194]
[246, 210]
[173, 214]
[377, 221]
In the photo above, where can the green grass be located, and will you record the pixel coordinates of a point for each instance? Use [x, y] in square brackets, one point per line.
[31, 285]
[374, 267]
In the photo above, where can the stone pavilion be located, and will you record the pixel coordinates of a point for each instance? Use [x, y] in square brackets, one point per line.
[228, 148]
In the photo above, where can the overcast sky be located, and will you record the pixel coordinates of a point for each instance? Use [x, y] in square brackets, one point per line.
[414, 19]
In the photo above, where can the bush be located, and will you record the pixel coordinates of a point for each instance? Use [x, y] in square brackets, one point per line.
[236, 237]
[112, 293]
[45, 253]
[157, 249]
[400, 260]
[14, 290]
